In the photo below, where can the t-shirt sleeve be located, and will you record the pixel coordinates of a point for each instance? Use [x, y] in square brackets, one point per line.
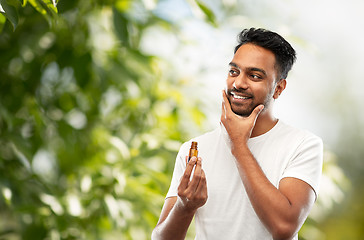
[306, 163]
[179, 168]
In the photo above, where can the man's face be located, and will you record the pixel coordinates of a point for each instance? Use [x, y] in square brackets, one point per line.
[251, 79]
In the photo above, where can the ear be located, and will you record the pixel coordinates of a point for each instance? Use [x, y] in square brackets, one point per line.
[280, 86]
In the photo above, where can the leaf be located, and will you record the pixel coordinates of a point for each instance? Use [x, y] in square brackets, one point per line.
[64, 6]
[51, 4]
[2, 21]
[11, 13]
[207, 11]
[121, 26]
[45, 7]
[123, 5]
[22, 158]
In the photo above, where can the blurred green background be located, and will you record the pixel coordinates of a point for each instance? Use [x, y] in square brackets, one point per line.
[97, 96]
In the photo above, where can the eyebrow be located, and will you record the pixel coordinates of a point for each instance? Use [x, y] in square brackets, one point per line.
[254, 69]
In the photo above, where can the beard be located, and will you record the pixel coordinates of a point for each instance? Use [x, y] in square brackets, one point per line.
[245, 109]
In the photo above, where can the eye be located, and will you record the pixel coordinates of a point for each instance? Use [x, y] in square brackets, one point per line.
[233, 73]
[255, 77]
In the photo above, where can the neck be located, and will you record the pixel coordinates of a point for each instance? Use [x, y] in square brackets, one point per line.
[265, 122]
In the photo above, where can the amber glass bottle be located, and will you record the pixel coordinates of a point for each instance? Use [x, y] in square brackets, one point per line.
[193, 151]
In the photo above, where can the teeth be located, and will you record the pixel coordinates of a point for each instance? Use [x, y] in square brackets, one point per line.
[238, 97]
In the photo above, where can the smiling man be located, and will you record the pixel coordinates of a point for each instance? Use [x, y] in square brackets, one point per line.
[256, 177]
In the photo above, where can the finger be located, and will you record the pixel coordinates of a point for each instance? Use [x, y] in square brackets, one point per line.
[187, 174]
[196, 177]
[255, 113]
[225, 101]
[202, 186]
[225, 105]
[223, 112]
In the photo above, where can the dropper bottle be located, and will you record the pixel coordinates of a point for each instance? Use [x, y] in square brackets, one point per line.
[193, 151]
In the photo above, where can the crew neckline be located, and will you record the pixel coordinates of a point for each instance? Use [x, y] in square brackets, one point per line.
[253, 139]
[266, 134]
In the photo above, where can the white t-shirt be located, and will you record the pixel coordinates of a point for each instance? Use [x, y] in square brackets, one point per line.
[282, 152]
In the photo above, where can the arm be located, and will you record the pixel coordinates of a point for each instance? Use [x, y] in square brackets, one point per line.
[178, 212]
[282, 210]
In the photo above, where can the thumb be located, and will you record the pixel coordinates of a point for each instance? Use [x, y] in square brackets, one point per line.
[257, 110]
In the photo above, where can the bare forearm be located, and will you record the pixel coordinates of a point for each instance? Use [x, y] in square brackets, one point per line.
[271, 206]
[178, 212]
[175, 226]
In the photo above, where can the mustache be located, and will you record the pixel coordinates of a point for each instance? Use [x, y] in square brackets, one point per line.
[238, 91]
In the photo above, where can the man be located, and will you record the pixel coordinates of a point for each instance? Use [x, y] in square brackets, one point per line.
[256, 177]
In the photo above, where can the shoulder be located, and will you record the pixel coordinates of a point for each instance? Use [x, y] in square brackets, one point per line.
[301, 145]
[208, 136]
[294, 134]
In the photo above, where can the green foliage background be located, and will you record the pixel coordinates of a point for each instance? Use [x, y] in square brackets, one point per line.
[90, 125]
[88, 134]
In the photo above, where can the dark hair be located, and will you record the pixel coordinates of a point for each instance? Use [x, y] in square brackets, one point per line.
[284, 53]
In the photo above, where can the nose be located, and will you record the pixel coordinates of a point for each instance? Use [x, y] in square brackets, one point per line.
[241, 82]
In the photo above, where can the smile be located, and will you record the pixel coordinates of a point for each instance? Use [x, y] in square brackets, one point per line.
[238, 96]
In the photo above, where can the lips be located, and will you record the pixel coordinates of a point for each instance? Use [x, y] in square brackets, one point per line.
[238, 95]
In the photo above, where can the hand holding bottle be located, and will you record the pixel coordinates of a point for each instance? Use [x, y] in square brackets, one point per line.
[192, 194]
